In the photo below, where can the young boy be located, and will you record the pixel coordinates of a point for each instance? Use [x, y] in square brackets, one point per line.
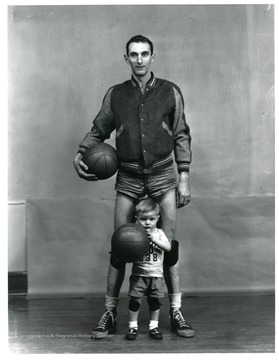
[147, 272]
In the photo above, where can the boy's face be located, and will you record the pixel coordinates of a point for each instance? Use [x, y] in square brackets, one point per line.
[148, 219]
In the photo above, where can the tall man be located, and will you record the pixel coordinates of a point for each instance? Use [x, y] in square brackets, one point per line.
[148, 116]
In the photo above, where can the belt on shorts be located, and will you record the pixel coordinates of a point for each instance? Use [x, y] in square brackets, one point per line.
[140, 167]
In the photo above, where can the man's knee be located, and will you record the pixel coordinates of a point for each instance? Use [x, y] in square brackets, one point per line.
[116, 263]
[171, 257]
[154, 303]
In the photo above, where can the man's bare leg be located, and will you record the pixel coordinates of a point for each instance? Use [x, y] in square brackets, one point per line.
[168, 212]
[123, 214]
[168, 216]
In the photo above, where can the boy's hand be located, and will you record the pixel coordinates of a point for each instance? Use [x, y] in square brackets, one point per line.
[152, 235]
[148, 232]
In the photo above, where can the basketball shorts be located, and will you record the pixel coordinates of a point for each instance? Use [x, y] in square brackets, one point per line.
[137, 185]
[149, 286]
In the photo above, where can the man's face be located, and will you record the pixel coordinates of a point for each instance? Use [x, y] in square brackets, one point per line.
[139, 58]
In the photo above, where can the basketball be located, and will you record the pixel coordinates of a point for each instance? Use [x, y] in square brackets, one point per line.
[101, 160]
[129, 242]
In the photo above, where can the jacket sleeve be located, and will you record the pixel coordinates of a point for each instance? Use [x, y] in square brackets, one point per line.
[103, 125]
[181, 134]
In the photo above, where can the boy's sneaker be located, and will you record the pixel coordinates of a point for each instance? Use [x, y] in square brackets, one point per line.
[179, 324]
[155, 334]
[107, 325]
[131, 334]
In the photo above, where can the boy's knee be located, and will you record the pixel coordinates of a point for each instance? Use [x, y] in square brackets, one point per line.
[154, 303]
[171, 257]
[134, 305]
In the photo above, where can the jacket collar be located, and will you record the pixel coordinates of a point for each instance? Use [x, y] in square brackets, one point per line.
[150, 83]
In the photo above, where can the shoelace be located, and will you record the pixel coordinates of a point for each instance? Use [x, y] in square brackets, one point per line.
[105, 319]
[155, 330]
[132, 330]
[178, 316]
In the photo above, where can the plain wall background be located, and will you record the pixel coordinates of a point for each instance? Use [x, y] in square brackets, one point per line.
[62, 60]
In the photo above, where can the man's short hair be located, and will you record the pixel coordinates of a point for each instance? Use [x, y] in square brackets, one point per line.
[139, 39]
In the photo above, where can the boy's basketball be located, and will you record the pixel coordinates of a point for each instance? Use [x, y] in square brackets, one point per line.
[129, 242]
[101, 160]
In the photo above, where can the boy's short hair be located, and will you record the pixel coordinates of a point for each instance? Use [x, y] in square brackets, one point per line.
[139, 39]
[146, 204]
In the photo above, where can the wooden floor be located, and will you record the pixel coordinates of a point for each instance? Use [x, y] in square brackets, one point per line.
[223, 324]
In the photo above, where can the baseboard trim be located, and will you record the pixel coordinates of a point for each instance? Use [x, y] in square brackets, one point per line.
[18, 285]
[17, 282]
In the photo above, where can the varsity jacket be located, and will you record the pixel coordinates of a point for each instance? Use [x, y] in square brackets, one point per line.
[148, 126]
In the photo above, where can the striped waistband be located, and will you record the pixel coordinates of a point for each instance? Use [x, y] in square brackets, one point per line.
[140, 167]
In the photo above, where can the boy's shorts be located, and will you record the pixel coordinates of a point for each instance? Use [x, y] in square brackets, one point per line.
[149, 286]
[154, 184]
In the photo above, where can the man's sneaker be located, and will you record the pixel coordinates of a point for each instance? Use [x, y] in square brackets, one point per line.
[155, 334]
[131, 334]
[179, 324]
[106, 325]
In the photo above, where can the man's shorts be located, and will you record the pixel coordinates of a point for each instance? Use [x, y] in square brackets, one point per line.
[149, 286]
[154, 184]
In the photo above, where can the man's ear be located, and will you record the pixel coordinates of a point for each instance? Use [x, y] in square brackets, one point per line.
[153, 57]
[126, 58]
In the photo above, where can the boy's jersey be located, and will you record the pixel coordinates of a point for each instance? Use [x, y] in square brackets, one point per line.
[151, 264]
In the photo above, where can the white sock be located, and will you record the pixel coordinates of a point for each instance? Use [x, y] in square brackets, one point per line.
[175, 301]
[111, 302]
[133, 324]
[153, 324]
